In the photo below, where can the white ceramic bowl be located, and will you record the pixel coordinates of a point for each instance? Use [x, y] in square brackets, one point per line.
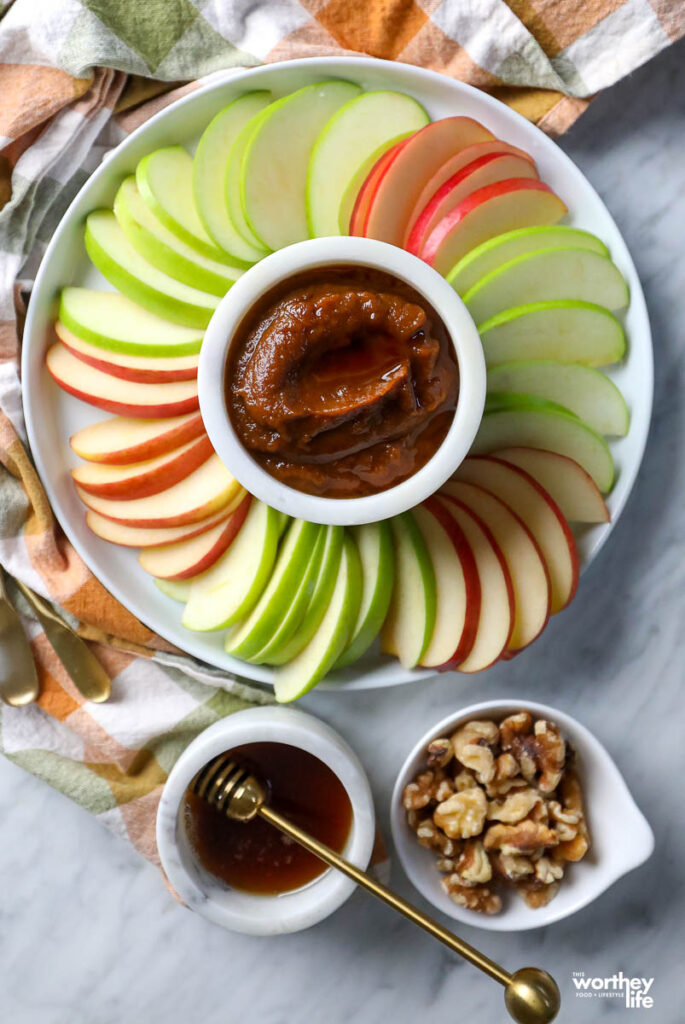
[244, 911]
[321, 252]
[621, 836]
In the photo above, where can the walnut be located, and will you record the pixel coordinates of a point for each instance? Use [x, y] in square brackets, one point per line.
[473, 867]
[443, 790]
[433, 838]
[570, 795]
[464, 780]
[565, 822]
[471, 745]
[514, 807]
[476, 897]
[541, 754]
[422, 790]
[439, 753]
[526, 837]
[514, 726]
[507, 776]
[446, 865]
[546, 871]
[536, 894]
[463, 814]
[513, 866]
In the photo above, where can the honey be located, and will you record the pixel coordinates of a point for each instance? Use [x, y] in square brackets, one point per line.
[256, 857]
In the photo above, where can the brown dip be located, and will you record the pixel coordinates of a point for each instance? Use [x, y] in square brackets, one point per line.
[342, 381]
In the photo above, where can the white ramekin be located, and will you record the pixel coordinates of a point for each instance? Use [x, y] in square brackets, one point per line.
[621, 836]
[320, 252]
[248, 912]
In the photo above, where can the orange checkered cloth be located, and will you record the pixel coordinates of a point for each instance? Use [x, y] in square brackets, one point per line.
[75, 77]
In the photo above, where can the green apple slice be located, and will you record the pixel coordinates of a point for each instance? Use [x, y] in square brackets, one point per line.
[310, 666]
[273, 174]
[232, 185]
[500, 250]
[320, 598]
[356, 131]
[165, 181]
[298, 605]
[587, 392]
[209, 173]
[375, 547]
[527, 422]
[252, 634]
[113, 322]
[117, 261]
[359, 177]
[178, 590]
[231, 588]
[161, 248]
[411, 616]
[568, 331]
[547, 275]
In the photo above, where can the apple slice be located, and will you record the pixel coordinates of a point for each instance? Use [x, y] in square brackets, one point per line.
[484, 170]
[231, 588]
[353, 133]
[120, 441]
[496, 618]
[312, 663]
[579, 275]
[117, 395]
[113, 322]
[504, 206]
[273, 174]
[142, 369]
[143, 478]
[163, 249]
[452, 166]
[573, 490]
[527, 568]
[399, 187]
[584, 391]
[118, 262]
[209, 173]
[165, 181]
[568, 331]
[410, 621]
[194, 555]
[177, 590]
[527, 422]
[296, 637]
[375, 549]
[540, 513]
[252, 634]
[358, 194]
[203, 492]
[458, 597]
[150, 537]
[497, 251]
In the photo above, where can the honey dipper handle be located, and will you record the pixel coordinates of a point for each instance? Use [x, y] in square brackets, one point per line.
[483, 963]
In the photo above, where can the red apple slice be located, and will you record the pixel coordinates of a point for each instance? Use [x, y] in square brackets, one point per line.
[401, 183]
[485, 170]
[120, 441]
[143, 369]
[455, 164]
[504, 206]
[208, 489]
[539, 512]
[496, 620]
[190, 557]
[360, 209]
[457, 586]
[143, 537]
[571, 487]
[527, 568]
[117, 395]
[143, 478]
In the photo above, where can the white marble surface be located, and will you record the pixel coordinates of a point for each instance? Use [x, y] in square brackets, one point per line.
[88, 934]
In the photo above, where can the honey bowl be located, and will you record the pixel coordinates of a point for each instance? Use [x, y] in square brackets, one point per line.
[248, 885]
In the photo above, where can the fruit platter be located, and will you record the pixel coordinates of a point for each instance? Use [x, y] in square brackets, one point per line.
[183, 210]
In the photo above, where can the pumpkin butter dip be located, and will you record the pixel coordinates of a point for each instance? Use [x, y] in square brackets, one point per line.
[342, 381]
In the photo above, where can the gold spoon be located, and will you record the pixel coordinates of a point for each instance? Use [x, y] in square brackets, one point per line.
[18, 676]
[83, 667]
[531, 995]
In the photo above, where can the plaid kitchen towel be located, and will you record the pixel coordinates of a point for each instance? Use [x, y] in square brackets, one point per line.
[75, 77]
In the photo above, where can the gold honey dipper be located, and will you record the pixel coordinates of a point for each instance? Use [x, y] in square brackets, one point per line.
[531, 995]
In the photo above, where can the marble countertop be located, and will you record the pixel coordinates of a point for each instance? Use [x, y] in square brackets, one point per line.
[88, 933]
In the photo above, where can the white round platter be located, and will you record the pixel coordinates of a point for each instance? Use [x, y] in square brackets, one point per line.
[52, 416]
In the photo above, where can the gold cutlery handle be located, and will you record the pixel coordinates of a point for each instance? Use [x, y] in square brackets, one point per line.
[18, 676]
